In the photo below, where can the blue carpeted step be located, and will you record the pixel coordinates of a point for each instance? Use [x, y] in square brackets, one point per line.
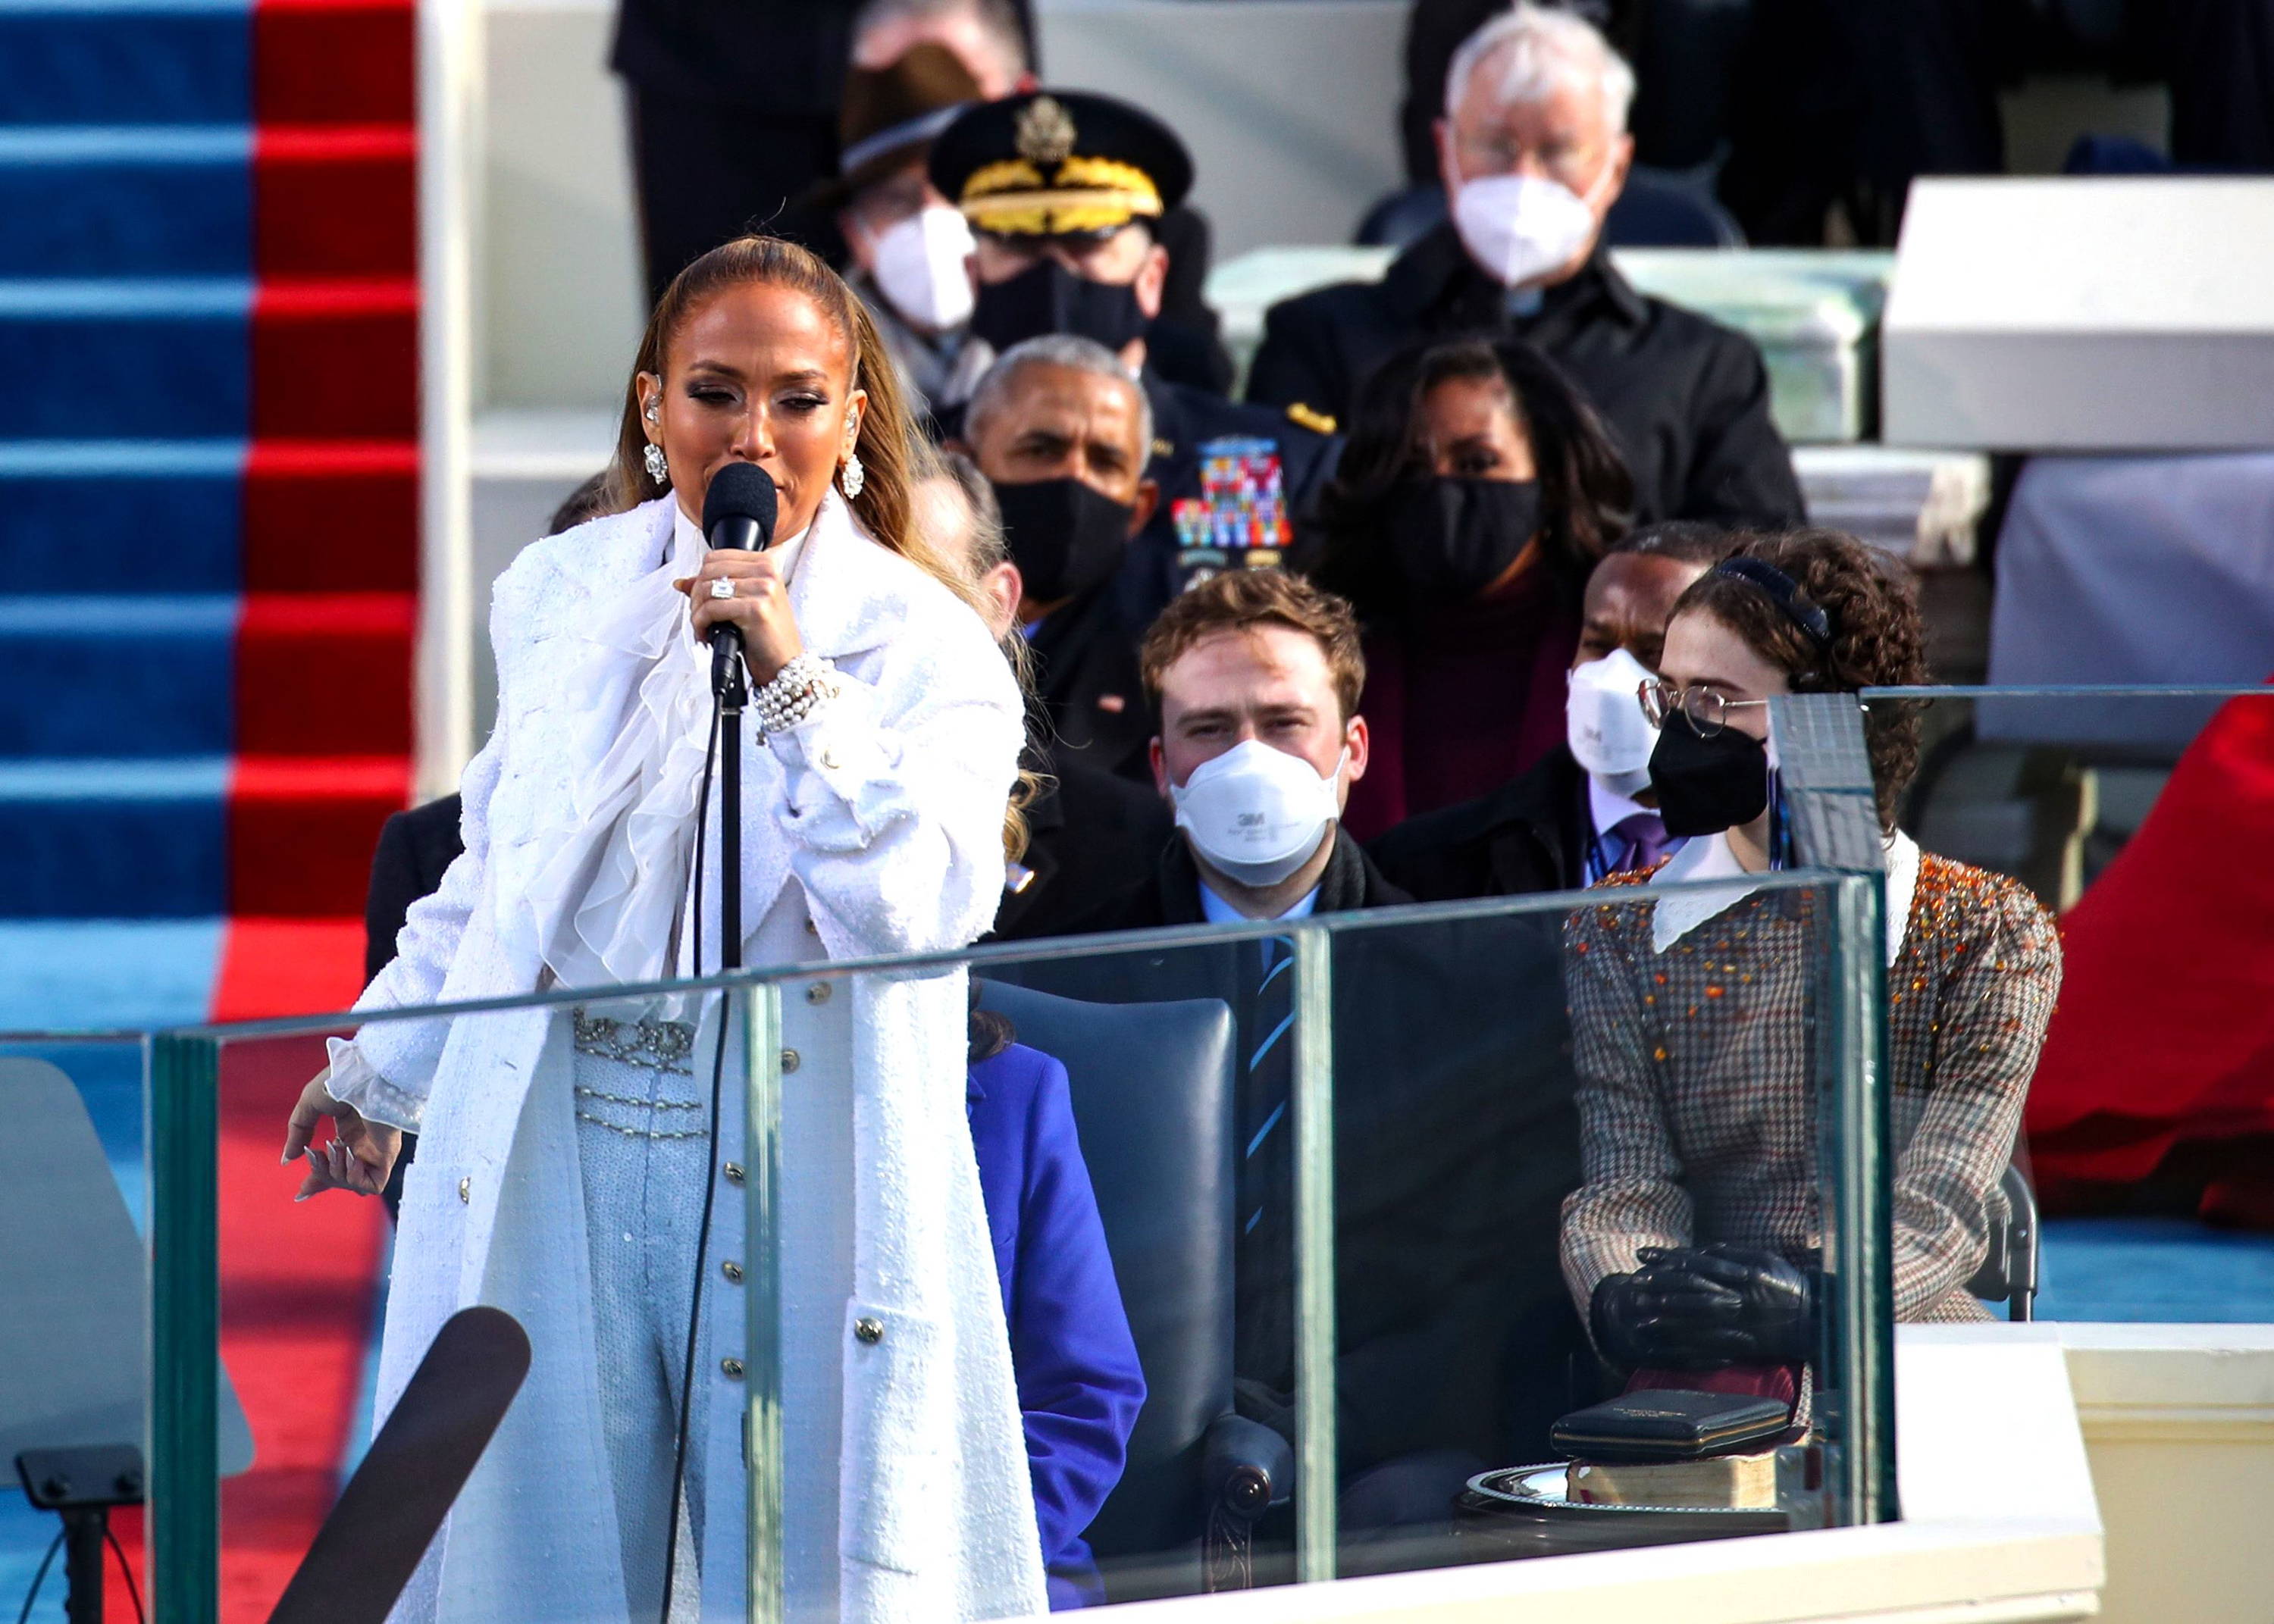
[119, 674]
[147, 201]
[97, 974]
[150, 513]
[114, 839]
[108, 62]
[125, 360]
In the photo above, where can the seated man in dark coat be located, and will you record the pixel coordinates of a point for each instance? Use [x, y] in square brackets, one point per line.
[1066, 192]
[1533, 151]
[1087, 830]
[1455, 1136]
[1585, 808]
[1059, 426]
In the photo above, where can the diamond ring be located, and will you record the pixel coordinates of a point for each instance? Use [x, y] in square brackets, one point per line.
[722, 588]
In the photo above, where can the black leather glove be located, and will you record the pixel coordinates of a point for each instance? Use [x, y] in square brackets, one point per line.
[1622, 1318]
[1728, 1304]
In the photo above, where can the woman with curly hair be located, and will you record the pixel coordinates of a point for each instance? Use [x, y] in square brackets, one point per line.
[1476, 492]
[1692, 1240]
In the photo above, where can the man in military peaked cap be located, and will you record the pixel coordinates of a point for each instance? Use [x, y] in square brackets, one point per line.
[1064, 190]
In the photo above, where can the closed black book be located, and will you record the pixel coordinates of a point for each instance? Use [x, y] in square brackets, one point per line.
[1670, 1424]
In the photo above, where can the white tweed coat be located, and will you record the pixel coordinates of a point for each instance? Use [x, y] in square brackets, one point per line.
[885, 811]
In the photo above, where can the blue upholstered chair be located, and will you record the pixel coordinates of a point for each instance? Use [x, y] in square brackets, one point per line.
[1152, 1087]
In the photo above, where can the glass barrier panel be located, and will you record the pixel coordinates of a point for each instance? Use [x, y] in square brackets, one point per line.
[1582, 1206]
[2136, 818]
[1172, 1261]
[1088, 1270]
[74, 1295]
[549, 1160]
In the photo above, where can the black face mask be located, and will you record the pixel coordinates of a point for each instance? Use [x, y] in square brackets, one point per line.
[1065, 537]
[1705, 786]
[1451, 538]
[1047, 297]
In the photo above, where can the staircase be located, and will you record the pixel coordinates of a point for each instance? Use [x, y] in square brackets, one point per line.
[208, 489]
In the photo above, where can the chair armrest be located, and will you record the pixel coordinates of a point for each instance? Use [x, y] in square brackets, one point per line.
[1246, 1467]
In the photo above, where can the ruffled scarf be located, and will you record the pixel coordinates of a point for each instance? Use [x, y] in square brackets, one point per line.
[609, 902]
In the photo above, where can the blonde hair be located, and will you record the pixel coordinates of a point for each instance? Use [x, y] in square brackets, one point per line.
[894, 453]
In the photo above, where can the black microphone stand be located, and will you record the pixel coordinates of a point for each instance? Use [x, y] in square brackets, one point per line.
[729, 681]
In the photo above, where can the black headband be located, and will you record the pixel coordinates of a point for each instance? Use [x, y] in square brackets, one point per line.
[1785, 592]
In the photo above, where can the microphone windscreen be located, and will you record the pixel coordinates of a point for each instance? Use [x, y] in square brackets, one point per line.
[740, 490]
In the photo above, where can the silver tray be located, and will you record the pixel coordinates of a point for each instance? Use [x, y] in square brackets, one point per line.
[1542, 1492]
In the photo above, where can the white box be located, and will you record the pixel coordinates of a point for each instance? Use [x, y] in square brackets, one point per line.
[2082, 314]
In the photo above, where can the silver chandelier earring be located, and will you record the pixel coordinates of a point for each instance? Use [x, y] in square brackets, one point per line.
[658, 469]
[851, 476]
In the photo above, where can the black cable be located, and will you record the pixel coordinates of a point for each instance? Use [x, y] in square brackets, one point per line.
[40, 1578]
[709, 1191]
[133, 1590]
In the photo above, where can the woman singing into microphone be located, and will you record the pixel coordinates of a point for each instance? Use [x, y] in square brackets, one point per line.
[565, 1171]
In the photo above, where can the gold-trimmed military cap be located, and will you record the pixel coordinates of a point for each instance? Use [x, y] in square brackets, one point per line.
[1059, 163]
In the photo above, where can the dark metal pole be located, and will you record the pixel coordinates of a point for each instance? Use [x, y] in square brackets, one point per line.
[83, 1564]
[728, 681]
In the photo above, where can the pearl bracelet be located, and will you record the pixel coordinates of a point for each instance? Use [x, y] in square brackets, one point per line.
[795, 692]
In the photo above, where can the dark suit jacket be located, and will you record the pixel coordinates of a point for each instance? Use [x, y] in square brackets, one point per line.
[1090, 836]
[1087, 679]
[1529, 835]
[1686, 400]
[414, 848]
[1456, 1142]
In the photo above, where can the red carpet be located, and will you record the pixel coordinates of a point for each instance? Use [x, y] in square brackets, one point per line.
[296, 1316]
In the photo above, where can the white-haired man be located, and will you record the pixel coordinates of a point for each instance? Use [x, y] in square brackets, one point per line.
[1533, 151]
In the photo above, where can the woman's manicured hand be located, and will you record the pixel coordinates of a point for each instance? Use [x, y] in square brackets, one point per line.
[760, 607]
[358, 1156]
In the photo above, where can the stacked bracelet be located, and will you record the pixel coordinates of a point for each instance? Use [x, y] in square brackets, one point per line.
[798, 687]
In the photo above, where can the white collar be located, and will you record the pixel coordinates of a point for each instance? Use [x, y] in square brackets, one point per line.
[1720, 883]
[1217, 911]
[1609, 807]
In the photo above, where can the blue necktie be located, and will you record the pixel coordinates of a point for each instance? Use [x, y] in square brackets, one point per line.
[1269, 1075]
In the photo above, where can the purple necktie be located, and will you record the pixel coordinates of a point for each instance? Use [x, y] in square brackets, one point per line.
[1645, 838]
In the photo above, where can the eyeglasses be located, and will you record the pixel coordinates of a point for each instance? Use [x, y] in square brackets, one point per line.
[1705, 708]
[1483, 154]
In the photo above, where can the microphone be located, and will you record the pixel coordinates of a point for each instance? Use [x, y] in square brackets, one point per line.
[738, 511]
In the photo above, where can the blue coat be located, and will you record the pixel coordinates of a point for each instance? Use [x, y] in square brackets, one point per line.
[1080, 1387]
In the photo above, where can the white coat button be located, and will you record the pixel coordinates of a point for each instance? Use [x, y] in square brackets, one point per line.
[733, 1172]
[869, 1329]
[789, 1060]
[733, 1367]
[818, 993]
[733, 1271]
[465, 1191]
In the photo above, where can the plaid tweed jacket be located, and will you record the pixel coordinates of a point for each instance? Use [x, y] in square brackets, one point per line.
[1696, 1093]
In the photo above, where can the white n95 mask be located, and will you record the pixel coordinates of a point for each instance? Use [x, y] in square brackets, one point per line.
[1521, 227]
[920, 267]
[1255, 813]
[1604, 723]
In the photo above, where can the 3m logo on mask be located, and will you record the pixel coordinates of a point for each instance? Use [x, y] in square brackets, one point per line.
[1251, 821]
